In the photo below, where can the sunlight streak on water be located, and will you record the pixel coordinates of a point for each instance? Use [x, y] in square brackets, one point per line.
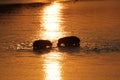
[52, 21]
[52, 66]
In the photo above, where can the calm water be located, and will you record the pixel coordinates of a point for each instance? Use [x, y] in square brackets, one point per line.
[96, 23]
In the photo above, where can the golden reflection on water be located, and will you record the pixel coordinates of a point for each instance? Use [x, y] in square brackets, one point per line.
[51, 24]
[52, 66]
[52, 21]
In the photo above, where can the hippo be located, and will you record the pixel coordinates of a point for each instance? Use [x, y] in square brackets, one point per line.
[69, 41]
[41, 44]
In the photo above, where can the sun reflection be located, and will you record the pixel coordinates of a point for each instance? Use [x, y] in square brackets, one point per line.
[52, 66]
[52, 21]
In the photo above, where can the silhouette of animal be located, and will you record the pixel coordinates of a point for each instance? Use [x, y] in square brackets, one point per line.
[41, 44]
[69, 41]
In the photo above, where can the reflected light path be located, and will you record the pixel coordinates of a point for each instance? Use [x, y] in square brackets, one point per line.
[51, 22]
[52, 66]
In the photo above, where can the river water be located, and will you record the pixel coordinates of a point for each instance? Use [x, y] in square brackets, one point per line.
[96, 23]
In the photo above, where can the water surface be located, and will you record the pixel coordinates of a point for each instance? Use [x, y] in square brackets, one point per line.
[95, 23]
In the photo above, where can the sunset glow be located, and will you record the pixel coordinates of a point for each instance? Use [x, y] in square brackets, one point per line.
[52, 66]
[52, 21]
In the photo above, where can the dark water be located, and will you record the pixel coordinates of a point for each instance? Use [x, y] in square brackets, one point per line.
[96, 23]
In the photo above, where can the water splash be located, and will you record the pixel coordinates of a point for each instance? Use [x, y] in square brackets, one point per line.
[85, 47]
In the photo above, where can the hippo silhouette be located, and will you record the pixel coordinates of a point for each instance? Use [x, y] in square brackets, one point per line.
[41, 44]
[70, 41]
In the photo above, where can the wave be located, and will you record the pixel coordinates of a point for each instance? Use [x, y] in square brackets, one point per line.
[27, 46]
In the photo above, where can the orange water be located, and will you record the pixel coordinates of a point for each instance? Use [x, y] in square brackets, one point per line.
[95, 23]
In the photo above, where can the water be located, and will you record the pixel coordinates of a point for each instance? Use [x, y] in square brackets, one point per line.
[96, 23]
